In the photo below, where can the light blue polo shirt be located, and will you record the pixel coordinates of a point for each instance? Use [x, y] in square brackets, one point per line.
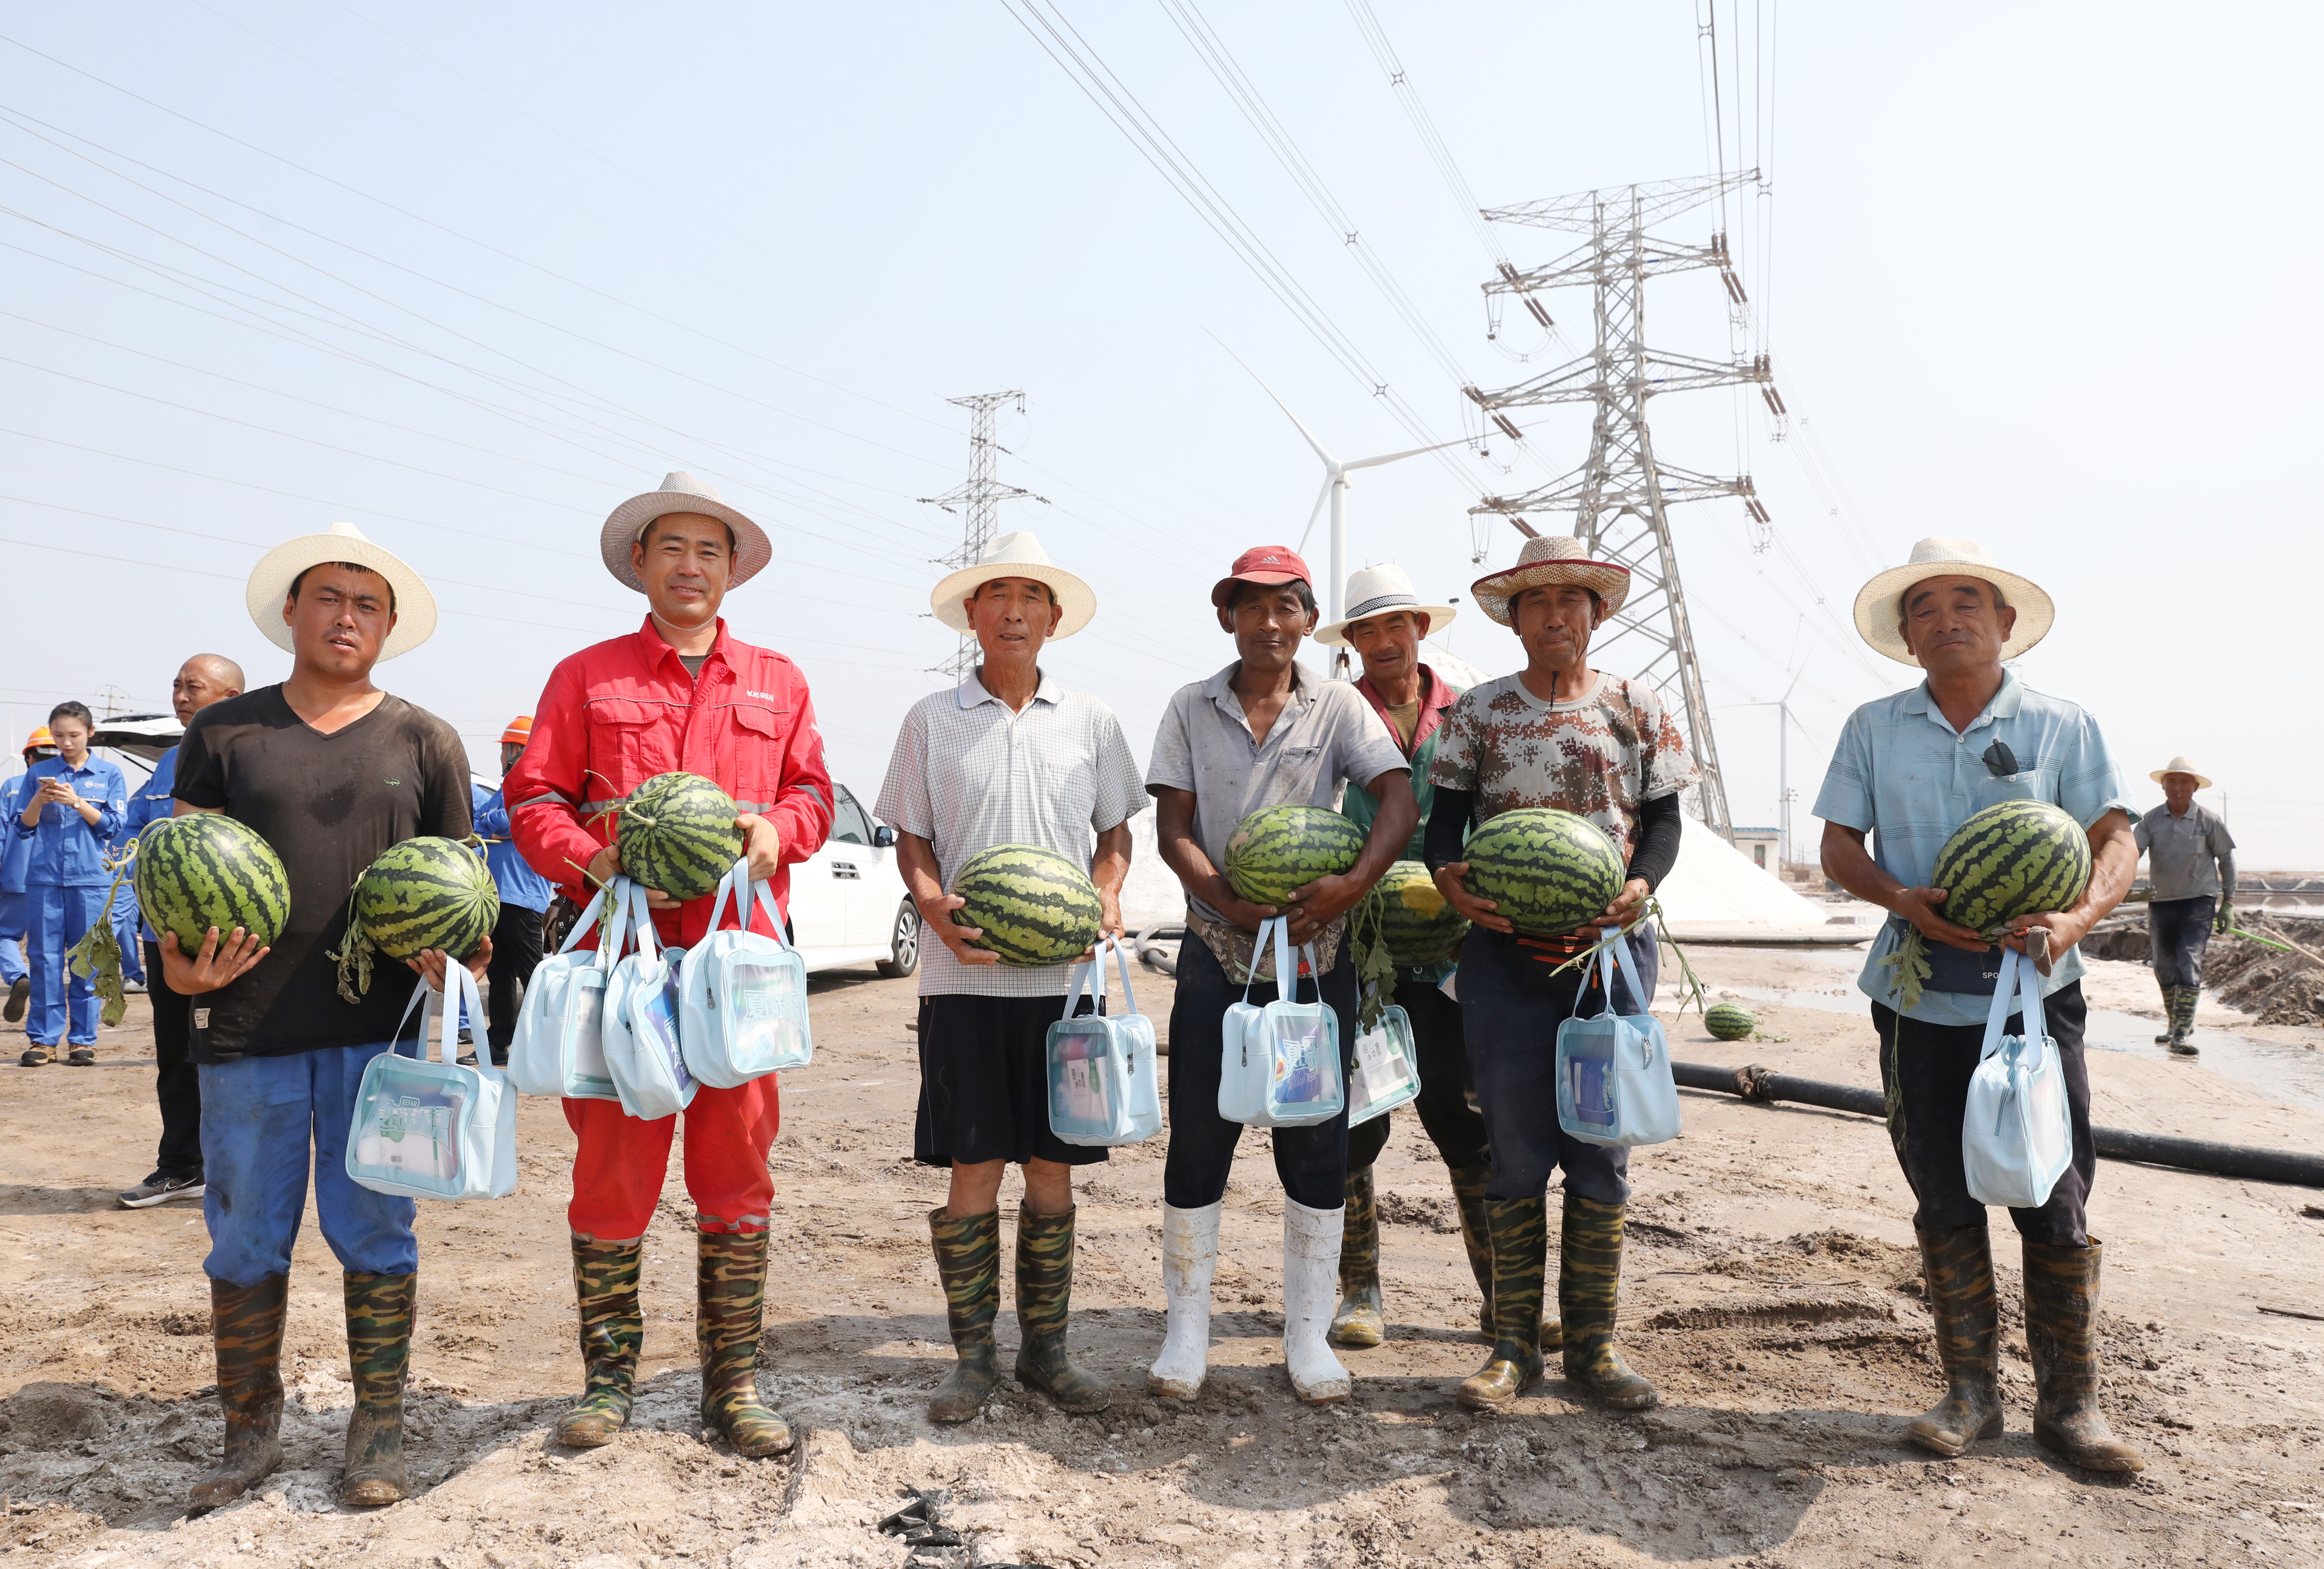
[1901, 774]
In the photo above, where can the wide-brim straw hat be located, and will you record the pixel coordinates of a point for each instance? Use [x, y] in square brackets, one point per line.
[1379, 591]
[1549, 558]
[1014, 555]
[1879, 604]
[2181, 765]
[680, 493]
[271, 580]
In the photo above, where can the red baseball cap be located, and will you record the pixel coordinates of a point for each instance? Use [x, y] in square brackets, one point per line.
[1267, 564]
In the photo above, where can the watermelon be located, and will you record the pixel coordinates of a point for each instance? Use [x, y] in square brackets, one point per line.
[1278, 849]
[1730, 1021]
[2015, 859]
[1035, 906]
[207, 870]
[1547, 871]
[1415, 922]
[677, 834]
[423, 894]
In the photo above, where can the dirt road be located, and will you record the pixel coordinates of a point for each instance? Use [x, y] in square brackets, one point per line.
[1772, 1292]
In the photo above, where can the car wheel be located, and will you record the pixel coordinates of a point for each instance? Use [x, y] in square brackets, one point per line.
[904, 951]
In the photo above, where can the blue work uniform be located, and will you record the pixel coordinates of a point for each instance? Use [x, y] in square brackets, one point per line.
[15, 856]
[65, 885]
[512, 874]
[151, 803]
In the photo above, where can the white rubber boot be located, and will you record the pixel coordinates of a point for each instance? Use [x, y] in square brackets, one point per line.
[1190, 1253]
[1311, 1291]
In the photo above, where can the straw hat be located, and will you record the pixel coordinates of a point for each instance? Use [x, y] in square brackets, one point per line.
[1879, 605]
[1014, 555]
[679, 493]
[1377, 591]
[1549, 558]
[271, 580]
[2181, 765]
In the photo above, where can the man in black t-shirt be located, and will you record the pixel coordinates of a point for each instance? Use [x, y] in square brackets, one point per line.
[329, 771]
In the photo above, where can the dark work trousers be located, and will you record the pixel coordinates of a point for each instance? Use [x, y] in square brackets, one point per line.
[1312, 1162]
[516, 953]
[2177, 930]
[1447, 1102]
[1924, 1071]
[177, 1082]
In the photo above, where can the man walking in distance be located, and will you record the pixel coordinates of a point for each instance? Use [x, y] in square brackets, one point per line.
[525, 898]
[16, 860]
[1911, 768]
[1560, 735]
[2192, 864]
[1007, 757]
[1262, 732]
[1385, 624]
[70, 808]
[330, 771]
[202, 681]
[677, 694]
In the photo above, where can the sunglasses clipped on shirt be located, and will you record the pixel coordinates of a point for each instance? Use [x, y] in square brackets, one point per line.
[2000, 761]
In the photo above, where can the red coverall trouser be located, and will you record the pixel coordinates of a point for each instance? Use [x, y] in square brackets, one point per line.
[617, 1174]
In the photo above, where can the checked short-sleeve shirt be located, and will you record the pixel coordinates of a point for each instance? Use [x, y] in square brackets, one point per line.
[968, 774]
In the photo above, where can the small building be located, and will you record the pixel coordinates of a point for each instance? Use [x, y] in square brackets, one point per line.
[1764, 845]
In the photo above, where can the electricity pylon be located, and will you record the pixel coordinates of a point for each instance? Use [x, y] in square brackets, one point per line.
[978, 503]
[1620, 494]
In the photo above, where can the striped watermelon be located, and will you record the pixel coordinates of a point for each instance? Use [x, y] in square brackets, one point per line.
[1035, 906]
[2015, 859]
[1278, 849]
[1415, 922]
[207, 870]
[1544, 870]
[677, 834]
[423, 894]
[1730, 1021]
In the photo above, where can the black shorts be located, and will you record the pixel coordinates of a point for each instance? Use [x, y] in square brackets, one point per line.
[985, 1083]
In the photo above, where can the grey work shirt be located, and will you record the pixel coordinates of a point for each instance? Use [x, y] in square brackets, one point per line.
[2187, 857]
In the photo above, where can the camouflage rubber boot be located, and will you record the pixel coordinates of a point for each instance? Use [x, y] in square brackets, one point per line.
[1359, 1321]
[605, 1285]
[380, 1310]
[730, 1287]
[968, 1262]
[2062, 1315]
[246, 1329]
[1468, 1198]
[2183, 1020]
[1958, 1267]
[2169, 1012]
[1045, 1292]
[1588, 1284]
[1520, 1238]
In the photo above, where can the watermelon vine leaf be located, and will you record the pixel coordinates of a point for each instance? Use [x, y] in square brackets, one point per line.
[96, 957]
[1911, 967]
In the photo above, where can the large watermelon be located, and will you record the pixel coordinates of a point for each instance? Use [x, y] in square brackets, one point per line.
[1415, 921]
[207, 870]
[423, 894]
[1547, 871]
[2015, 859]
[677, 834]
[1278, 849]
[1730, 1021]
[1035, 906]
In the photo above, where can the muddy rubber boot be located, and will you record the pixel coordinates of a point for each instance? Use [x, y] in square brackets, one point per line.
[1190, 1256]
[1519, 1230]
[1588, 1284]
[1045, 1294]
[730, 1289]
[968, 1262]
[1476, 1239]
[381, 1309]
[605, 1285]
[2169, 1012]
[1959, 1268]
[2183, 1021]
[1311, 1274]
[1359, 1322]
[246, 1329]
[2062, 1317]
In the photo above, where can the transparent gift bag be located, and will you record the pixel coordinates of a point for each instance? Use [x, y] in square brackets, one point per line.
[2018, 1133]
[558, 1047]
[742, 1011]
[1103, 1084]
[432, 1129]
[1614, 1083]
[1387, 1068]
[1280, 1065]
[643, 1053]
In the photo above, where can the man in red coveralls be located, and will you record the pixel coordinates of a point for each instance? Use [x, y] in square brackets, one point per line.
[676, 694]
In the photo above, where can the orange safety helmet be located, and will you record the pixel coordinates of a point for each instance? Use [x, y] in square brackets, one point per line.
[38, 738]
[519, 731]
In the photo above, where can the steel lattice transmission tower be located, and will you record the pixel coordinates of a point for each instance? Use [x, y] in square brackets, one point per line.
[1620, 494]
[977, 502]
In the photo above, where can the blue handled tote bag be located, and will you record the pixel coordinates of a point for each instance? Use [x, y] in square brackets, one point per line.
[432, 1129]
[1614, 1082]
[1280, 1065]
[2017, 1134]
[743, 1009]
[642, 1054]
[559, 1048]
[1103, 1085]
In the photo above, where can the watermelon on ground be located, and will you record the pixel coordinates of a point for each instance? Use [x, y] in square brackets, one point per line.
[1278, 850]
[1547, 871]
[207, 870]
[424, 894]
[1035, 906]
[1418, 923]
[1730, 1021]
[677, 834]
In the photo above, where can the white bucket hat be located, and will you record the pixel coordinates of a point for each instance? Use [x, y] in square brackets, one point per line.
[680, 493]
[1549, 558]
[1014, 555]
[1879, 605]
[1377, 591]
[2182, 764]
[271, 580]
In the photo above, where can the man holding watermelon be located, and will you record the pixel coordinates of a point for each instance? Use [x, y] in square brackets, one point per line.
[1914, 768]
[679, 695]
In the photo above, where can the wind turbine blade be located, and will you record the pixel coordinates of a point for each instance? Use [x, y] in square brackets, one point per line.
[1316, 511]
[1279, 403]
[1399, 456]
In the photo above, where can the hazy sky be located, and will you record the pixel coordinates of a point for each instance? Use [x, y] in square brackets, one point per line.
[469, 276]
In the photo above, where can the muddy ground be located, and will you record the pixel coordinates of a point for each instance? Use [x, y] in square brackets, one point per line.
[1772, 1292]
